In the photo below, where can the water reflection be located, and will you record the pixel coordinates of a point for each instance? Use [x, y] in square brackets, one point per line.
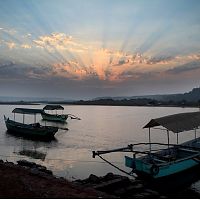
[60, 125]
[33, 154]
[17, 135]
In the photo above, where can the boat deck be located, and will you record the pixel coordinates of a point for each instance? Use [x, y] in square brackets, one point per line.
[177, 153]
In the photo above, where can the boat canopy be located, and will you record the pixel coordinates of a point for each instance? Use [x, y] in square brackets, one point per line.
[53, 107]
[27, 111]
[177, 122]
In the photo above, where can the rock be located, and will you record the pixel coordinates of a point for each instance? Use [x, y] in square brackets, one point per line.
[41, 168]
[93, 179]
[26, 163]
[1, 161]
[109, 176]
[35, 171]
[9, 163]
[48, 172]
[152, 192]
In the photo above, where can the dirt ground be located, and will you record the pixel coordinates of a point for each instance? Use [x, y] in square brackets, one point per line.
[22, 182]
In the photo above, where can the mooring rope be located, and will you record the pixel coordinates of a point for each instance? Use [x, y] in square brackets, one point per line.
[121, 170]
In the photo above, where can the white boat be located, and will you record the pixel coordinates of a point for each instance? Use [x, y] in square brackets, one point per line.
[172, 159]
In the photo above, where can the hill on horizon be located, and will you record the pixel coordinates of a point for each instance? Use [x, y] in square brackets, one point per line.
[191, 96]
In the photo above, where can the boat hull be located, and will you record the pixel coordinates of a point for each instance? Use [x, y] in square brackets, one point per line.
[157, 172]
[30, 130]
[180, 159]
[55, 118]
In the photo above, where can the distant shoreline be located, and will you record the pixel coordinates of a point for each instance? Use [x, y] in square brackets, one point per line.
[18, 103]
[135, 103]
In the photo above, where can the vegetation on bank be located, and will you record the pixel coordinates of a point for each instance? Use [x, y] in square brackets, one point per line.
[190, 99]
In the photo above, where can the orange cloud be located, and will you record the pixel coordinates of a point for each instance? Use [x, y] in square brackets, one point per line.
[11, 45]
[74, 59]
[26, 46]
[130, 67]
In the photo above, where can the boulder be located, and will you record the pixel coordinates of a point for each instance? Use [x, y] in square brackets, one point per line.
[93, 179]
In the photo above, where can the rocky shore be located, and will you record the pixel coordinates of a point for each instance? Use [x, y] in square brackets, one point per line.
[30, 180]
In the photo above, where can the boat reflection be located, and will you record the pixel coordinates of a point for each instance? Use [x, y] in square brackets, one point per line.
[18, 136]
[33, 154]
[59, 125]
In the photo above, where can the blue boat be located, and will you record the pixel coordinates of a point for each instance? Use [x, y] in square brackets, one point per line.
[169, 159]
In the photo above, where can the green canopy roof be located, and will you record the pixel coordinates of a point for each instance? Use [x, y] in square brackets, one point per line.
[53, 107]
[177, 122]
[27, 111]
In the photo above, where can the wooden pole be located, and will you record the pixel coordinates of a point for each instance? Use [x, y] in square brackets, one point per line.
[14, 116]
[23, 118]
[168, 138]
[195, 132]
[149, 140]
[177, 138]
[34, 118]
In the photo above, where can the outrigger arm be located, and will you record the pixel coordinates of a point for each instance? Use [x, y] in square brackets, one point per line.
[130, 148]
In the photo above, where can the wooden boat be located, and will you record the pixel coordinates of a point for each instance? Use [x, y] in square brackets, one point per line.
[171, 159]
[29, 130]
[54, 117]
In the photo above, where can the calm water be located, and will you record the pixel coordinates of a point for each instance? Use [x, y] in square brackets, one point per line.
[100, 128]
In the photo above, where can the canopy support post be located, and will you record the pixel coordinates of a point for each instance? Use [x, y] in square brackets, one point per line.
[168, 138]
[177, 138]
[195, 132]
[34, 118]
[23, 118]
[149, 141]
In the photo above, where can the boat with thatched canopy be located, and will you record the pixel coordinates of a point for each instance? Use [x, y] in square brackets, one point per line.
[35, 130]
[169, 159]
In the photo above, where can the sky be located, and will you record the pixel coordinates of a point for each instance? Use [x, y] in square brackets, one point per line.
[81, 49]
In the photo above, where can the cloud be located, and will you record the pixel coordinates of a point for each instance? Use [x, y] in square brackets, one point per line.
[26, 46]
[195, 65]
[59, 41]
[6, 64]
[73, 59]
[11, 45]
[11, 71]
[11, 31]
